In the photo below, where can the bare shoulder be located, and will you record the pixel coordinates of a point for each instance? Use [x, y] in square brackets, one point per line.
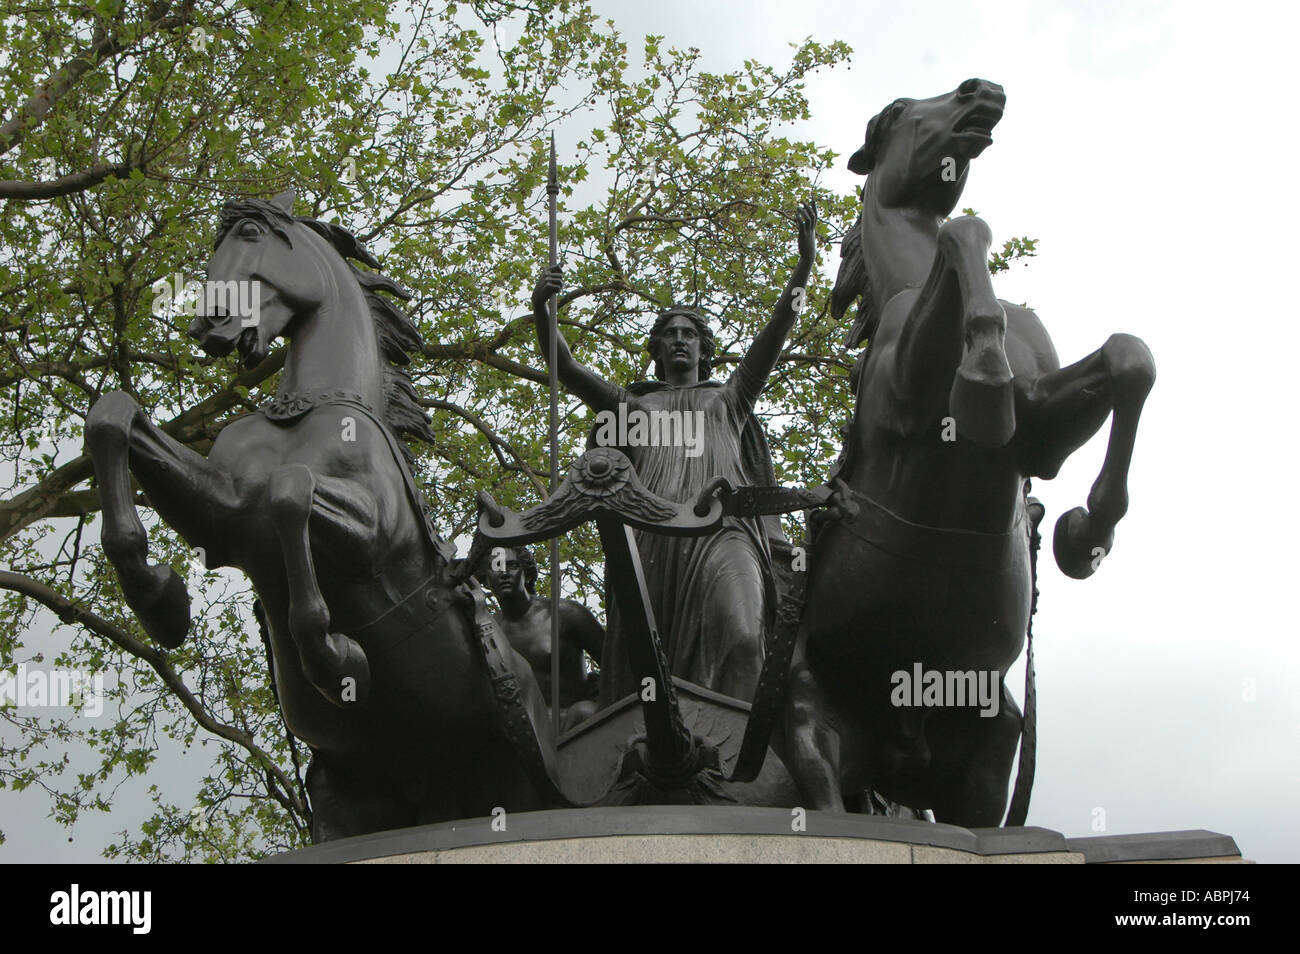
[571, 611]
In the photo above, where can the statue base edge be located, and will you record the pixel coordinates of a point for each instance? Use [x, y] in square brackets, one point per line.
[746, 834]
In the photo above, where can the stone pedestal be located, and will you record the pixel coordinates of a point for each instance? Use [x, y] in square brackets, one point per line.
[711, 834]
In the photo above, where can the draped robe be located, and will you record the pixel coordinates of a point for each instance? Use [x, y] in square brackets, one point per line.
[707, 593]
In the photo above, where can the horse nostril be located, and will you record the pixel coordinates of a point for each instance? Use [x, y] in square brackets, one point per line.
[968, 88]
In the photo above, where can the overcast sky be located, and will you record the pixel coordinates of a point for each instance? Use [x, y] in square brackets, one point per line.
[1144, 145]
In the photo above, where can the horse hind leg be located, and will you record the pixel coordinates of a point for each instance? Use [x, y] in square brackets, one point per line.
[156, 593]
[1067, 408]
[973, 757]
[350, 799]
[810, 743]
[333, 663]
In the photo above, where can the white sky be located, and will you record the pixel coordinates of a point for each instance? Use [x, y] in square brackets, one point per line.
[1136, 146]
[1135, 141]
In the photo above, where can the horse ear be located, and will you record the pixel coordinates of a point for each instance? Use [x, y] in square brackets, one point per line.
[859, 163]
[284, 201]
[864, 160]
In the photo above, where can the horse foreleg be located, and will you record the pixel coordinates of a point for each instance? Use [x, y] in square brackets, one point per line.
[345, 522]
[1066, 408]
[182, 486]
[955, 338]
[332, 662]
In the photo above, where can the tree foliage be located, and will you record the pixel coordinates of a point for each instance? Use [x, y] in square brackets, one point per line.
[124, 125]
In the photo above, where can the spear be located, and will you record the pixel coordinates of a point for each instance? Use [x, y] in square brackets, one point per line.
[552, 191]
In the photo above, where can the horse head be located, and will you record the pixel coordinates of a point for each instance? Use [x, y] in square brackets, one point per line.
[918, 151]
[270, 271]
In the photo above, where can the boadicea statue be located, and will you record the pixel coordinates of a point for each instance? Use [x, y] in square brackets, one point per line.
[712, 596]
[960, 400]
[881, 669]
[377, 667]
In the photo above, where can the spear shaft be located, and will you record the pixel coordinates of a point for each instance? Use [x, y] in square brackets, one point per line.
[552, 192]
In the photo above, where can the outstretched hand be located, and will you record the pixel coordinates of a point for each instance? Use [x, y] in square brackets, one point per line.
[806, 218]
[549, 282]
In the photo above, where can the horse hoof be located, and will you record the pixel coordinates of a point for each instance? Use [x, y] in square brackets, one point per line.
[164, 610]
[1073, 545]
[341, 673]
[983, 407]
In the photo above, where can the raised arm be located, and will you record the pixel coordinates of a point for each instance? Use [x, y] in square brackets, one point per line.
[751, 374]
[594, 390]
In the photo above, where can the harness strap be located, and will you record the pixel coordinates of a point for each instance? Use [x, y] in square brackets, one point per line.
[437, 548]
[516, 722]
[759, 501]
[939, 546]
[406, 618]
[1019, 809]
[769, 699]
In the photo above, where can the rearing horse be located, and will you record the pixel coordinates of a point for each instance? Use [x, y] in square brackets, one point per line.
[960, 399]
[377, 667]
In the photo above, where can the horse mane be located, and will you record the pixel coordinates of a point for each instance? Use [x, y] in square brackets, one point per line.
[396, 334]
[851, 281]
[852, 284]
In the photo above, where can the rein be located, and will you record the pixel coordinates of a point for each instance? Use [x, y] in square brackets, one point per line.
[879, 526]
[1019, 808]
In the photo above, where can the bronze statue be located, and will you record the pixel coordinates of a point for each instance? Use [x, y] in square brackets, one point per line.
[525, 619]
[378, 668]
[419, 706]
[712, 597]
[960, 399]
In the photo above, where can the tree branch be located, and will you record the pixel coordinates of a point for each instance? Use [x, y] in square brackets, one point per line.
[189, 427]
[479, 351]
[70, 612]
[74, 182]
[32, 113]
[495, 440]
